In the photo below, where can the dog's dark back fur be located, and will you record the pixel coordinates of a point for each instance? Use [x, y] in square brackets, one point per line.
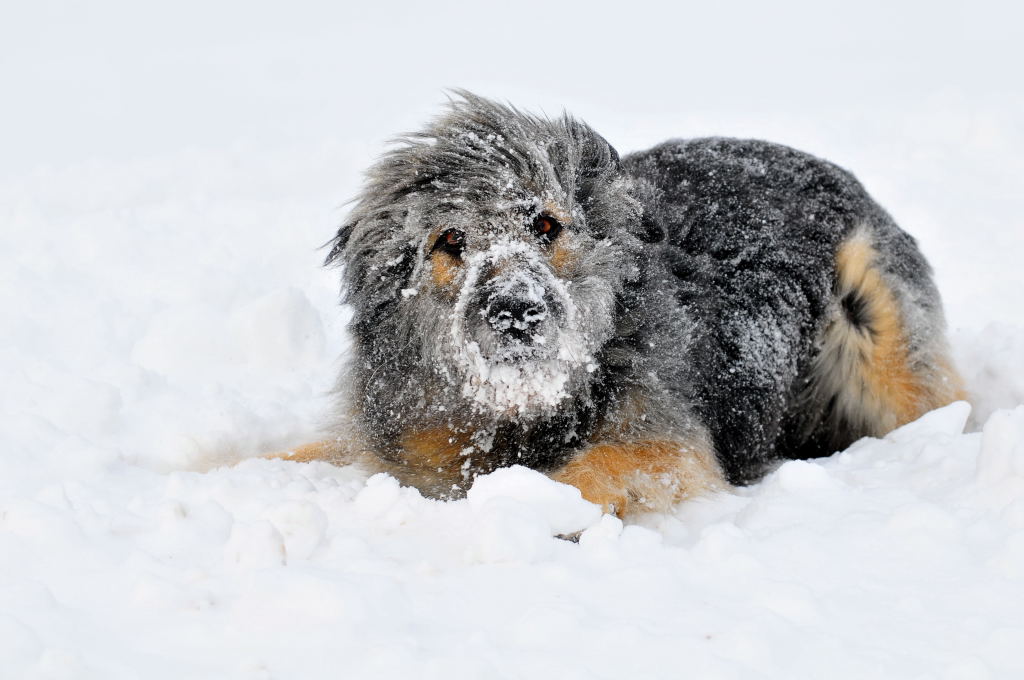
[758, 224]
[707, 278]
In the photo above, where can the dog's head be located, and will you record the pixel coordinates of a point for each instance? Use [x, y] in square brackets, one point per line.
[488, 252]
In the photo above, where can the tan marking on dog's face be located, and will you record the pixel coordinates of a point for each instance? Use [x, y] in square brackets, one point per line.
[882, 383]
[444, 267]
[563, 252]
[644, 475]
[553, 209]
[564, 256]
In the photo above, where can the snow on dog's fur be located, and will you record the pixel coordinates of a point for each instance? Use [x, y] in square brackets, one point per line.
[643, 328]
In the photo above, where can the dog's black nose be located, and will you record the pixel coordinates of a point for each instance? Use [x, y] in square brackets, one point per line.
[515, 317]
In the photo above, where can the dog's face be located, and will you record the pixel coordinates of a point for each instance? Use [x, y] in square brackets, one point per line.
[517, 324]
[498, 243]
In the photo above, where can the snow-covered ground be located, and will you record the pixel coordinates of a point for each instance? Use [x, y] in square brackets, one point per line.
[166, 178]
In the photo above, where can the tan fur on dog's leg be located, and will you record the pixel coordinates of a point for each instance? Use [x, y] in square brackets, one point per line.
[329, 450]
[435, 459]
[644, 475]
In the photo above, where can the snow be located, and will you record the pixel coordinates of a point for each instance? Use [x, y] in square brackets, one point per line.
[167, 177]
[892, 558]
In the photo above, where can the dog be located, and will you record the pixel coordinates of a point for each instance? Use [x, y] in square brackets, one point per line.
[646, 328]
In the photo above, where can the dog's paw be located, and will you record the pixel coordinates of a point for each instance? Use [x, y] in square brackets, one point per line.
[599, 489]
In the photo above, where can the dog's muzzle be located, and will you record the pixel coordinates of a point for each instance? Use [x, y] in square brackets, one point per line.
[517, 313]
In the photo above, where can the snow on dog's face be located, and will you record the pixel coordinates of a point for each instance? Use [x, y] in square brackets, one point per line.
[515, 340]
[484, 260]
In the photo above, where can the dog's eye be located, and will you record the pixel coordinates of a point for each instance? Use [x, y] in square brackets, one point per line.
[450, 241]
[546, 227]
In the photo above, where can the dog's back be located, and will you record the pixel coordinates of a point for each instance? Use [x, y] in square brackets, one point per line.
[817, 318]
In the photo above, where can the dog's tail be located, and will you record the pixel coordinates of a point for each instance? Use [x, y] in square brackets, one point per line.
[882, 358]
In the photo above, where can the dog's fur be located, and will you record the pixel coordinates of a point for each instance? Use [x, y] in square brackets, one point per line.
[708, 307]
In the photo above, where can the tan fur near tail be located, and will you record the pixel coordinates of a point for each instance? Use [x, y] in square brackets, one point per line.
[867, 363]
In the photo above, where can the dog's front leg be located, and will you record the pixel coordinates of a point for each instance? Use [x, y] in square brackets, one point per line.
[336, 451]
[645, 475]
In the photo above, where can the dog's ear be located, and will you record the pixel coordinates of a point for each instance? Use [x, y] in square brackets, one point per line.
[650, 230]
[339, 242]
[650, 227]
[378, 260]
[372, 229]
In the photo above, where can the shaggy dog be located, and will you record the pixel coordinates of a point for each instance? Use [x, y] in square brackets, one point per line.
[644, 328]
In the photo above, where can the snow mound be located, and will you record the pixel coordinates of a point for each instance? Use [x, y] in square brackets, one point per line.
[858, 563]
